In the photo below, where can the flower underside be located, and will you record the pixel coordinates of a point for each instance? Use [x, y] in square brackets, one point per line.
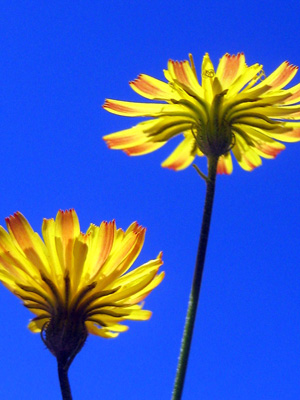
[76, 283]
[236, 109]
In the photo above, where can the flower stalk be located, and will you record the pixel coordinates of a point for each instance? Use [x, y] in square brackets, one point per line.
[64, 379]
[197, 279]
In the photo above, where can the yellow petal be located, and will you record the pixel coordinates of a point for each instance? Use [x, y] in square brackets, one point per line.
[8, 278]
[109, 322]
[48, 232]
[264, 145]
[105, 333]
[100, 246]
[131, 109]
[28, 242]
[225, 164]
[144, 148]
[289, 132]
[133, 141]
[138, 314]
[126, 138]
[139, 274]
[80, 252]
[153, 89]
[208, 74]
[245, 155]
[164, 128]
[277, 112]
[14, 260]
[133, 289]
[121, 252]
[182, 156]
[128, 261]
[294, 95]
[248, 74]
[140, 296]
[280, 77]
[66, 230]
[182, 73]
[36, 326]
[230, 68]
[156, 130]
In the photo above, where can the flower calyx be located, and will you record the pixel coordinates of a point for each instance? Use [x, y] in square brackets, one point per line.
[214, 137]
[64, 335]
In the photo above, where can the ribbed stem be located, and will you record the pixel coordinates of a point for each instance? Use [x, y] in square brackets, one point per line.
[63, 379]
[196, 286]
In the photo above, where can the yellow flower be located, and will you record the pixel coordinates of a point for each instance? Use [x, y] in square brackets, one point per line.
[235, 108]
[76, 283]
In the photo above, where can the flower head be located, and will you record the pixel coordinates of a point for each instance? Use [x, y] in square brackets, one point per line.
[235, 108]
[76, 283]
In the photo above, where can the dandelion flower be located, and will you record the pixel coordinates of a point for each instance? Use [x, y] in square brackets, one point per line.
[235, 108]
[76, 283]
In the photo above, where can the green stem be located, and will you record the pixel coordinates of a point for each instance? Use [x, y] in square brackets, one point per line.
[63, 379]
[196, 286]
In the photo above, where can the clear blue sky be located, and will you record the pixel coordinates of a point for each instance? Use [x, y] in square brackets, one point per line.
[59, 61]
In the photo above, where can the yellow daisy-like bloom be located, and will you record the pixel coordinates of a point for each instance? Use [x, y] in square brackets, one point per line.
[235, 108]
[76, 283]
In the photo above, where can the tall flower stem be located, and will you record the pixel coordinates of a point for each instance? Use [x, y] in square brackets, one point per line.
[63, 379]
[196, 286]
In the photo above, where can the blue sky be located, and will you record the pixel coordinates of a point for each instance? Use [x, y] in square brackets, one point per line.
[59, 61]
